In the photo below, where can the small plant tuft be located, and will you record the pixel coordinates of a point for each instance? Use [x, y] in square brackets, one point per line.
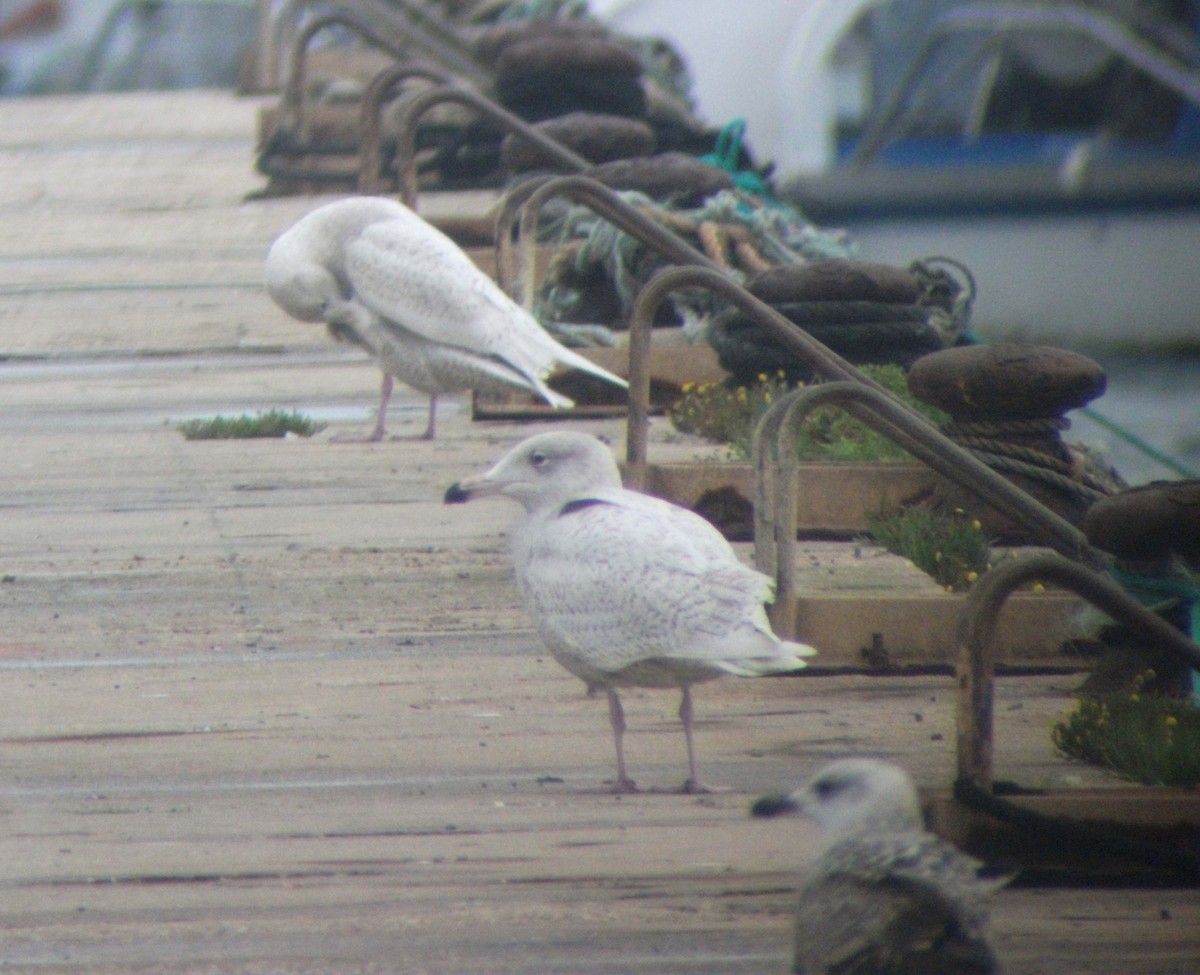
[951, 548]
[273, 423]
[1145, 737]
[728, 414]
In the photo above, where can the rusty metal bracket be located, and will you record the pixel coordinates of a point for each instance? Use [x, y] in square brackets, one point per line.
[821, 359]
[370, 144]
[418, 105]
[523, 206]
[420, 25]
[777, 485]
[975, 668]
[291, 108]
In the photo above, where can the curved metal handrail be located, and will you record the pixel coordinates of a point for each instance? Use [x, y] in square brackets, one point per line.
[421, 26]
[510, 275]
[1003, 19]
[776, 521]
[280, 35]
[292, 115]
[418, 105]
[975, 667]
[370, 141]
[516, 261]
[821, 359]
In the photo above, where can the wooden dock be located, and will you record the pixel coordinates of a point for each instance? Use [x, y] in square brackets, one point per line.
[271, 707]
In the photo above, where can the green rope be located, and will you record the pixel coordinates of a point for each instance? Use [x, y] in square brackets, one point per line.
[781, 236]
[1160, 594]
[1152, 590]
[725, 156]
[1133, 439]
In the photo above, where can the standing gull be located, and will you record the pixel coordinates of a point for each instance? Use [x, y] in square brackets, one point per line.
[383, 279]
[628, 590]
[882, 896]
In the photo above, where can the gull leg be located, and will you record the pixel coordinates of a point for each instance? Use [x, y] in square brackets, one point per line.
[693, 783]
[616, 716]
[385, 394]
[429, 429]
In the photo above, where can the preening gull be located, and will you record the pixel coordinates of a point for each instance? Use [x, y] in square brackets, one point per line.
[883, 896]
[628, 590]
[383, 279]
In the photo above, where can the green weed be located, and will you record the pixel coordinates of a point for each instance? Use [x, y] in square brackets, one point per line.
[951, 548]
[1145, 737]
[273, 423]
[728, 415]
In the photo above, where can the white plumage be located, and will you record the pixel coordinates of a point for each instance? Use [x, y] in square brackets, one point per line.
[382, 278]
[883, 896]
[627, 589]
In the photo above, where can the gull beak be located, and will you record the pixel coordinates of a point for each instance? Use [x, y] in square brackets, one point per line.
[479, 486]
[780, 805]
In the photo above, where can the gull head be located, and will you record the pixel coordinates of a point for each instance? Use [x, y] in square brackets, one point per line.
[545, 471]
[304, 289]
[853, 795]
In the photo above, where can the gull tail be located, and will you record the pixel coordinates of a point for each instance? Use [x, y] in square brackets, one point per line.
[788, 659]
[576, 361]
[557, 400]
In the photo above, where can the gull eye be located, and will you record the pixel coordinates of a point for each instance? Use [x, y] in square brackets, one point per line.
[538, 459]
[828, 788]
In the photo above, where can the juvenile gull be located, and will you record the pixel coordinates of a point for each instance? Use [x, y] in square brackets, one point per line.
[883, 896]
[628, 590]
[383, 279]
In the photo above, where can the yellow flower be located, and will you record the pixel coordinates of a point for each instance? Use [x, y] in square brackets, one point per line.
[1172, 721]
[1038, 587]
[977, 524]
[972, 576]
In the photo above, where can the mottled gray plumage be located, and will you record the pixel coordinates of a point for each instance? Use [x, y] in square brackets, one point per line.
[627, 589]
[883, 896]
[383, 279]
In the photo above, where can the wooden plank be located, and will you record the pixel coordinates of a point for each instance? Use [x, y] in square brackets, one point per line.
[889, 630]
[836, 499]
[272, 707]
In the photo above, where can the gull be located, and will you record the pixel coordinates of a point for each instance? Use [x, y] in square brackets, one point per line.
[883, 896]
[385, 280]
[628, 590]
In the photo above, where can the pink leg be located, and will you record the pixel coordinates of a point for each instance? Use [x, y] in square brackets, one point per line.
[693, 783]
[616, 716]
[385, 394]
[429, 430]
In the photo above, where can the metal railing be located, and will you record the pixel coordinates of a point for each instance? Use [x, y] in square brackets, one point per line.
[418, 105]
[292, 115]
[521, 210]
[420, 26]
[975, 668]
[370, 118]
[777, 481]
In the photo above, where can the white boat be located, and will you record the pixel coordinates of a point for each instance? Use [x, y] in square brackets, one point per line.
[1053, 148]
